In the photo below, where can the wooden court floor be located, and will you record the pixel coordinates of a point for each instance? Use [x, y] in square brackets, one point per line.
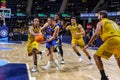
[71, 70]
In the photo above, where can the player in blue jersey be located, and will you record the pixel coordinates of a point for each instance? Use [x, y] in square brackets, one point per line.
[52, 30]
[59, 41]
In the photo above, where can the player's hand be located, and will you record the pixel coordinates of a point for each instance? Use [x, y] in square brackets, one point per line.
[85, 47]
[39, 34]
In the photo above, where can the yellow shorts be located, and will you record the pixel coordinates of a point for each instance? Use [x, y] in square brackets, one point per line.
[109, 47]
[31, 45]
[79, 42]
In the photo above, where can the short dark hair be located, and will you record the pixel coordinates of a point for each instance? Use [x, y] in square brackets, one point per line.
[104, 13]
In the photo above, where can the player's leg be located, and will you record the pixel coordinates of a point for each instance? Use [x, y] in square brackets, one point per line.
[35, 52]
[61, 53]
[60, 50]
[48, 44]
[55, 61]
[81, 44]
[99, 64]
[106, 50]
[88, 55]
[29, 48]
[74, 43]
[118, 60]
[117, 50]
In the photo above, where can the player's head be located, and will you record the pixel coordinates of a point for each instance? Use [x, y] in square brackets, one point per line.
[102, 14]
[73, 20]
[36, 21]
[53, 21]
[56, 17]
[49, 20]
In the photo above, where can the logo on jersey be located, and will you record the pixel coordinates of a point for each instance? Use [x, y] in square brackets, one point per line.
[3, 33]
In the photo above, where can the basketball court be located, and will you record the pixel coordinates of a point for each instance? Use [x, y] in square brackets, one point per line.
[19, 65]
[17, 15]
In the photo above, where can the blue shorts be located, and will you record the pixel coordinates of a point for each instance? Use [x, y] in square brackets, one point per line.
[51, 43]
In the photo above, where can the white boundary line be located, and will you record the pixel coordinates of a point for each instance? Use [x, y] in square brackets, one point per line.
[29, 74]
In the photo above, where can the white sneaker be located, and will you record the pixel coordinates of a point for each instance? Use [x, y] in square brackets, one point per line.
[41, 56]
[62, 61]
[80, 59]
[90, 62]
[46, 67]
[34, 69]
[57, 65]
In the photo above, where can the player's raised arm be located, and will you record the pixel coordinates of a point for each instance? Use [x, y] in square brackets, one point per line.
[31, 31]
[44, 26]
[82, 31]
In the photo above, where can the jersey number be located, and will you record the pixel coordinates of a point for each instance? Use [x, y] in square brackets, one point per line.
[115, 26]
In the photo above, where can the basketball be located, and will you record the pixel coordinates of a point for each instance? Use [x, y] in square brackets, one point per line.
[39, 38]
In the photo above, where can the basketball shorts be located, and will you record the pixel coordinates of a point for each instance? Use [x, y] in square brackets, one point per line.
[79, 42]
[51, 43]
[31, 45]
[109, 47]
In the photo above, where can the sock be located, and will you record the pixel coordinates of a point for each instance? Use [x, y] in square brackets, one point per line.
[35, 63]
[78, 54]
[56, 62]
[89, 57]
[61, 51]
[102, 72]
[40, 52]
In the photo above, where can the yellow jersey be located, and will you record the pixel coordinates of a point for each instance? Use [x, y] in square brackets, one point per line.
[73, 29]
[109, 29]
[36, 29]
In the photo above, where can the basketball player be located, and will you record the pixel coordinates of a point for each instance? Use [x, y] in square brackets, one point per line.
[59, 41]
[32, 45]
[110, 34]
[77, 33]
[52, 30]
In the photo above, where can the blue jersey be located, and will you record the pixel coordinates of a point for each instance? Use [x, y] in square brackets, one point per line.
[49, 31]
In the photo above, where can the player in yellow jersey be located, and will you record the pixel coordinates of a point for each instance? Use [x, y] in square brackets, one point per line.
[110, 34]
[77, 33]
[32, 45]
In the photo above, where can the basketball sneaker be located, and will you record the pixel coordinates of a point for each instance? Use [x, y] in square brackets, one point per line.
[104, 78]
[80, 59]
[62, 61]
[34, 69]
[47, 66]
[90, 62]
[57, 65]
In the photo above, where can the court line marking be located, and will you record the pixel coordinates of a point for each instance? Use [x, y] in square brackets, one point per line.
[29, 74]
